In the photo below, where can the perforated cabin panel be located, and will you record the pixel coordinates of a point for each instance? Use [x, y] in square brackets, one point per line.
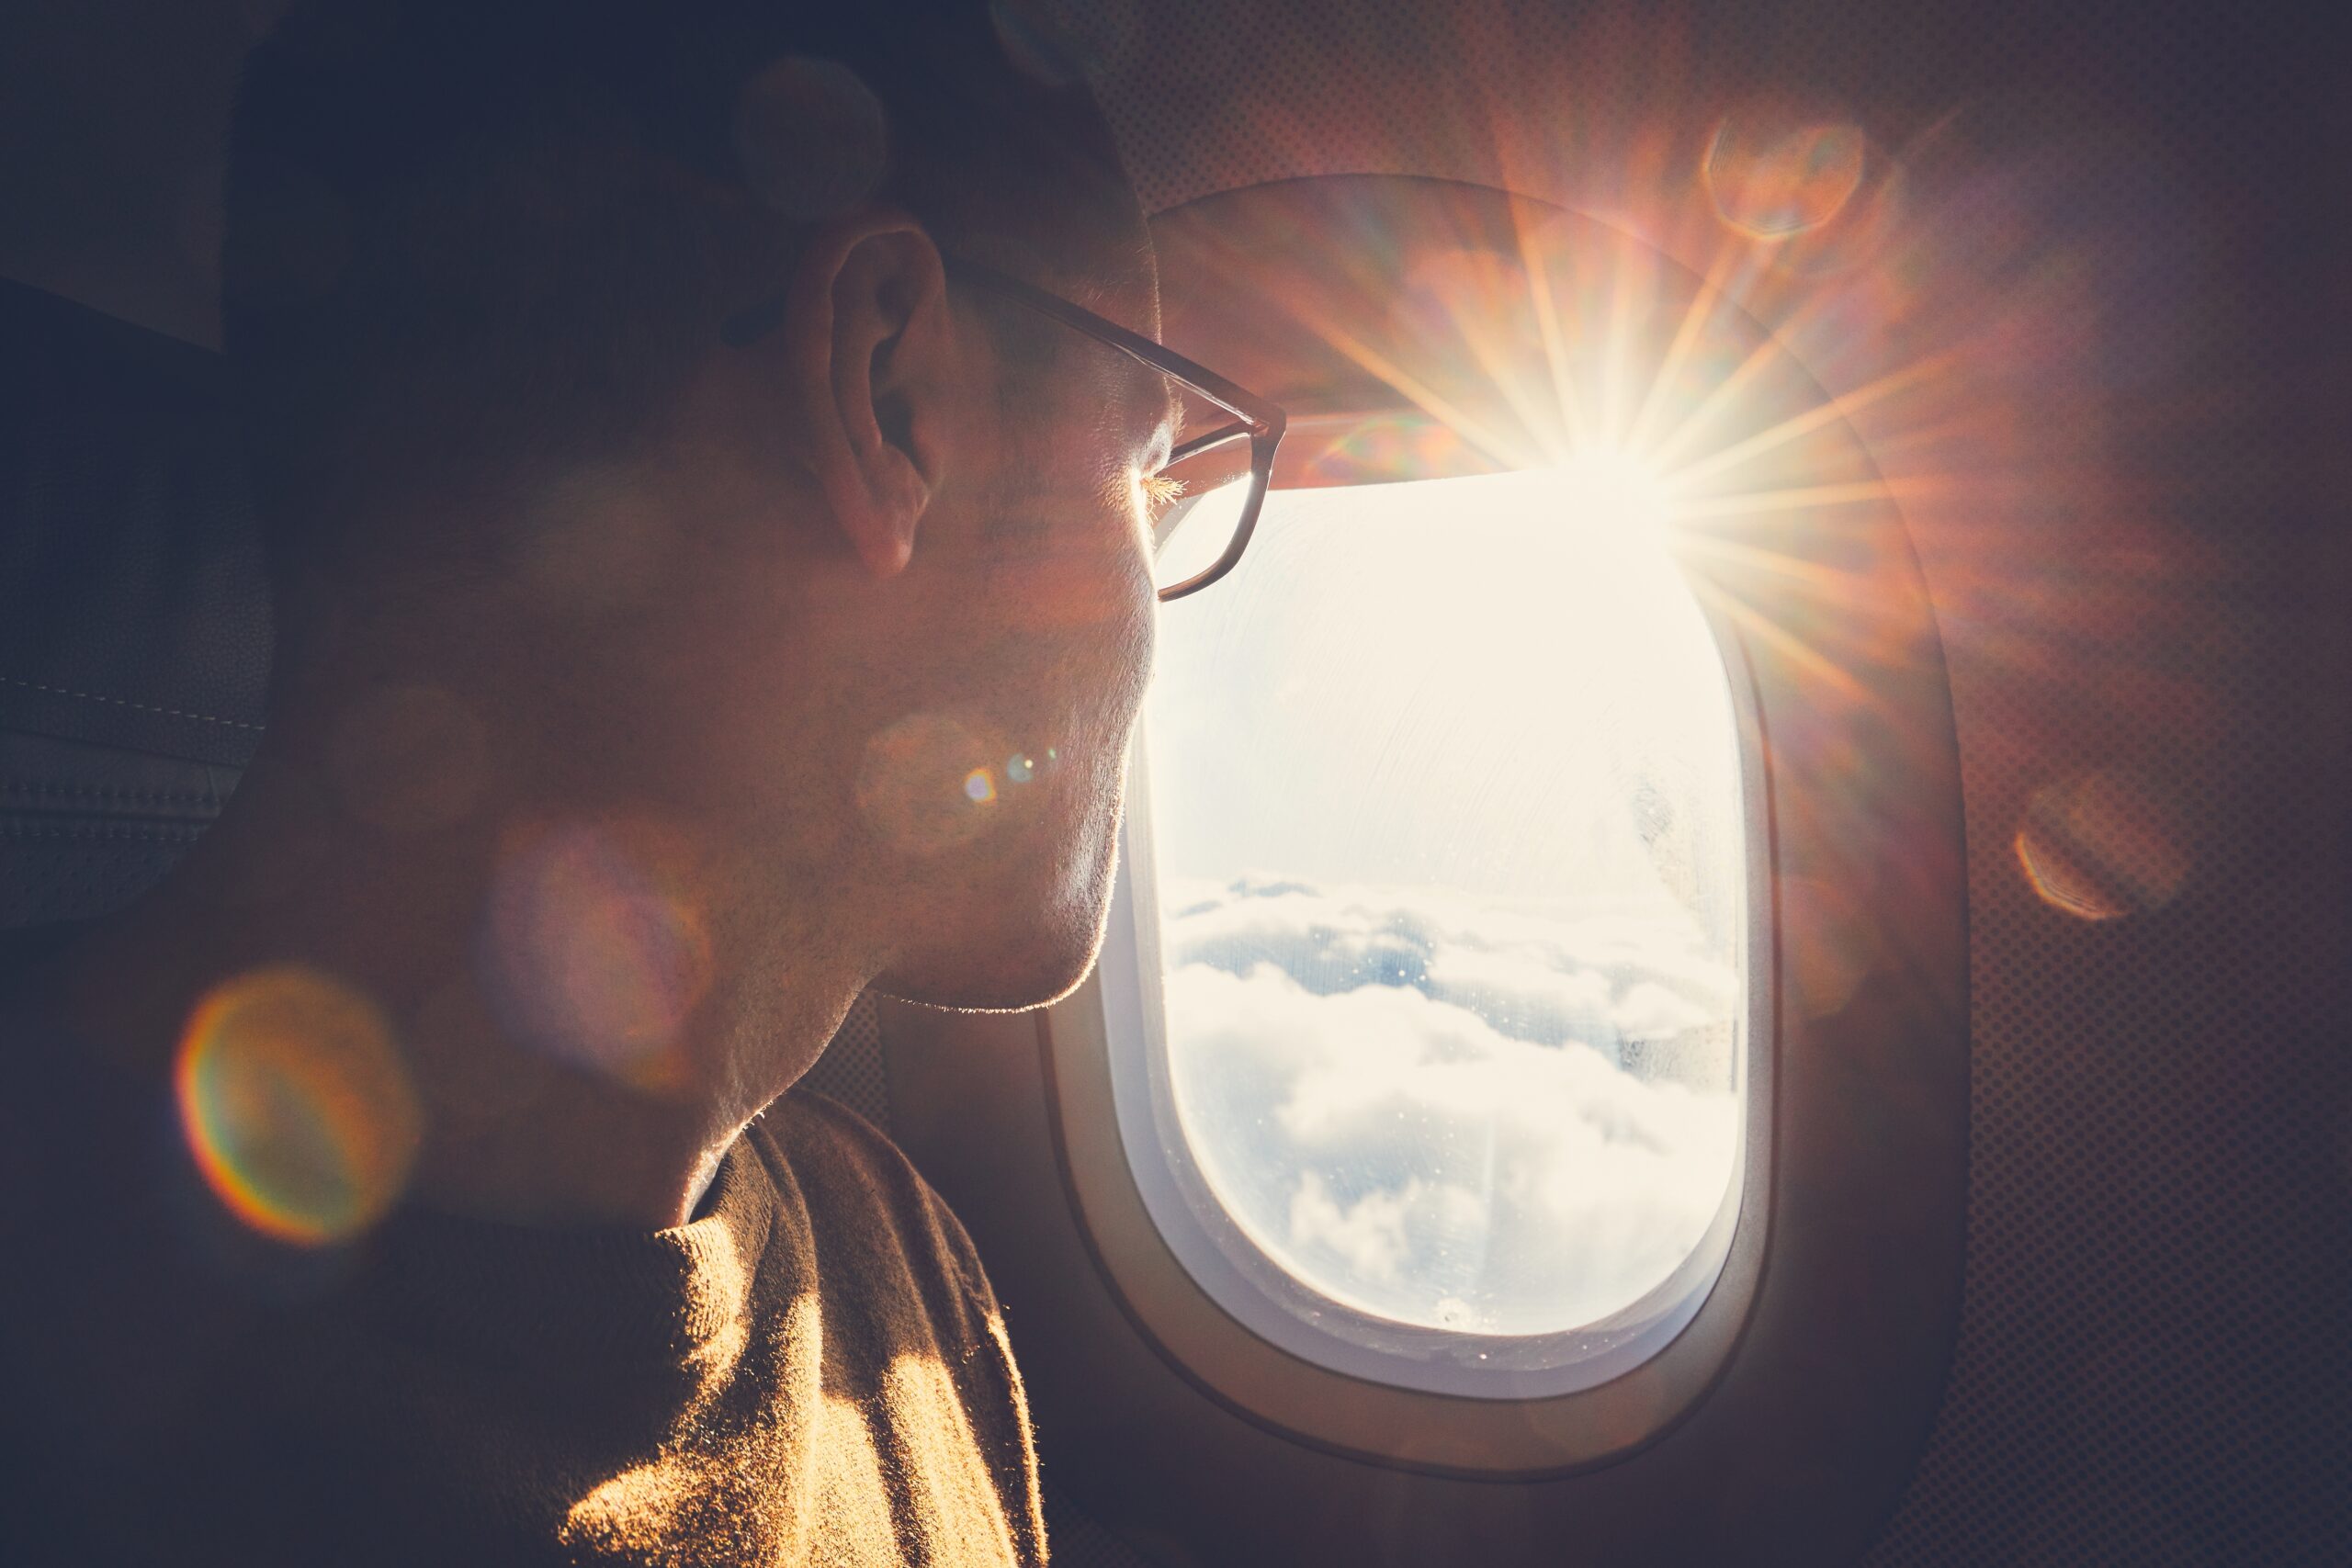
[852, 1069]
[1076, 1538]
[2150, 1366]
[2143, 600]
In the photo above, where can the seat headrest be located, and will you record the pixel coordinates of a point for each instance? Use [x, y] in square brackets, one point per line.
[133, 609]
[134, 613]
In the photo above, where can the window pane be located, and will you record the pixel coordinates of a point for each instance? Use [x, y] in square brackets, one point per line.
[1444, 808]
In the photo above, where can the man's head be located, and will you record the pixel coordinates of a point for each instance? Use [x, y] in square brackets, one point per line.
[849, 613]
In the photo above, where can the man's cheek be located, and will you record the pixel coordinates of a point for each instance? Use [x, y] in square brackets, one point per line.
[1069, 588]
[1137, 645]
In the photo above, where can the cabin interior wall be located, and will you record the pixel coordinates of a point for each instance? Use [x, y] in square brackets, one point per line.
[2159, 1288]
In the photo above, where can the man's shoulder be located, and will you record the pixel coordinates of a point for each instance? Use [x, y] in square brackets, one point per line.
[903, 1287]
[804, 1124]
[863, 1191]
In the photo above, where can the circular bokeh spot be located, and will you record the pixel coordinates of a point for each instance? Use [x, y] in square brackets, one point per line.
[1832, 945]
[924, 786]
[596, 949]
[811, 137]
[2102, 845]
[1773, 173]
[296, 1104]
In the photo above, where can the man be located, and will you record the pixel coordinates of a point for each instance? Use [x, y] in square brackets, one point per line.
[697, 603]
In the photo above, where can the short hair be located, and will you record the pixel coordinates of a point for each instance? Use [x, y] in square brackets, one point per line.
[471, 239]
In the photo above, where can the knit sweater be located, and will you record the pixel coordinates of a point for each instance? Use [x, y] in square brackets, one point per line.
[813, 1371]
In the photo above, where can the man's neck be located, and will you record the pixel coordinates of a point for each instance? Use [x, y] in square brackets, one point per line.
[515, 1128]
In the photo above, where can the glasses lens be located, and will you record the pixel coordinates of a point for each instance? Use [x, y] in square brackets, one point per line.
[1199, 499]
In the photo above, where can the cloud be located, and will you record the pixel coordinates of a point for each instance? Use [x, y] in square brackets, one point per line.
[1446, 1110]
[1368, 1235]
[1549, 974]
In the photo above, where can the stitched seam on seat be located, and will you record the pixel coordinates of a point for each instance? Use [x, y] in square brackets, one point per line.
[159, 835]
[126, 703]
[102, 791]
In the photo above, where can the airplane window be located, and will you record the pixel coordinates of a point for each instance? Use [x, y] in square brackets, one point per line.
[1439, 811]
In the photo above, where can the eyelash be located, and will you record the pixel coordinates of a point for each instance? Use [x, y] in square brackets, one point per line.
[1158, 491]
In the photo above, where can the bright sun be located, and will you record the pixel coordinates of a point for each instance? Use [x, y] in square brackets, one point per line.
[1612, 491]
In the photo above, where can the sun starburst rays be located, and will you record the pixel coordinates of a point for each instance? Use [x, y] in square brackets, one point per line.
[1739, 313]
[1584, 344]
[1640, 364]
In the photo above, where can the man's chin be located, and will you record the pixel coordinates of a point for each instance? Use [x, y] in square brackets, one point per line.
[977, 962]
[1000, 987]
[1038, 961]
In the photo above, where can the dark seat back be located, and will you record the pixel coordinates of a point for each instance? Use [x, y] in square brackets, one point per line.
[134, 615]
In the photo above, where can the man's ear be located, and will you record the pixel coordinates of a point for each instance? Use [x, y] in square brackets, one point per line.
[872, 351]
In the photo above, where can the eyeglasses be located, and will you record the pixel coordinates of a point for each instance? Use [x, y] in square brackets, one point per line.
[1209, 494]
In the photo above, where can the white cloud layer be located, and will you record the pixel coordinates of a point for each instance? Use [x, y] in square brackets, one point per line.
[1506, 1119]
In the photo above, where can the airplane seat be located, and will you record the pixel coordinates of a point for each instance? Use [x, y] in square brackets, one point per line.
[134, 614]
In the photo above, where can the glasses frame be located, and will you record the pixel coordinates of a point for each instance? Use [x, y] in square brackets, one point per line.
[1259, 419]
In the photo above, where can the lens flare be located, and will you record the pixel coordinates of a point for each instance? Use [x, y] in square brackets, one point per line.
[921, 783]
[595, 948]
[811, 137]
[297, 1105]
[1832, 947]
[1378, 450]
[2101, 846]
[1772, 175]
[1064, 45]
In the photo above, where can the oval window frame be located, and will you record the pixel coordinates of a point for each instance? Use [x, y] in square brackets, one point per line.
[1219, 1330]
[1256, 1349]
